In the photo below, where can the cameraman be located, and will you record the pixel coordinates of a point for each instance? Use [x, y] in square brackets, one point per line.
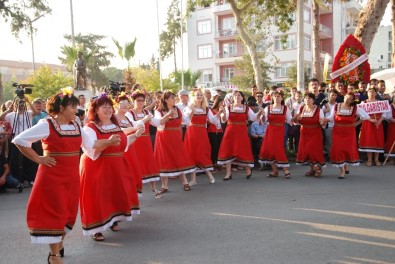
[20, 119]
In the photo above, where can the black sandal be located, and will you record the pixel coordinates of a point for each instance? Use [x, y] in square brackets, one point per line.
[98, 237]
[52, 255]
[114, 227]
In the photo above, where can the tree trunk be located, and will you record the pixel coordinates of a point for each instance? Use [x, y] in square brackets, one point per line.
[393, 32]
[369, 21]
[250, 45]
[317, 73]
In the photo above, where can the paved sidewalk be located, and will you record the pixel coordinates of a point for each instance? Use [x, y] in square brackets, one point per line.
[262, 220]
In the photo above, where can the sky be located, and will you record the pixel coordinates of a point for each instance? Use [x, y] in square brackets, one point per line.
[122, 19]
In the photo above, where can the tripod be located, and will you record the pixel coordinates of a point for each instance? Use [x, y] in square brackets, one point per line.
[20, 123]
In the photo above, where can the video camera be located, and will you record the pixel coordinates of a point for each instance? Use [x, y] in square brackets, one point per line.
[115, 88]
[22, 89]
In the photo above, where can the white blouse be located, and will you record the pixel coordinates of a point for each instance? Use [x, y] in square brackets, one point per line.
[41, 131]
[251, 115]
[153, 122]
[288, 114]
[92, 153]
[210, 116]
[158, 115]
[360, 113]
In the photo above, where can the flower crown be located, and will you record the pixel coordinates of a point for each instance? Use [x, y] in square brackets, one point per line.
[67, 91]
[138, 92]
[197, 90]
[106, 95]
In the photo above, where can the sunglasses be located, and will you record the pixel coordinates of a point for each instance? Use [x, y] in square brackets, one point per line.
[321, 91]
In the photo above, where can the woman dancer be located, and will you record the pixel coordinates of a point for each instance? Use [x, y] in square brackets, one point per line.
[196, 138]
[272, 149]
[53, 203]
[311, 150]
[236, 147]
[391, 132]
[143, 146]
[170, 153]
[215, 134]
[344, 150]
[372, 133]
[108, 191]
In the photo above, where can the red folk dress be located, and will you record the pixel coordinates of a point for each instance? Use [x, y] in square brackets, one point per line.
[108, 191]
[344, 143]
[311, 149]
[148, 167]
[272, 148]
[53, 203]
[236, 146]
[390, 135]
[170, 153]
[197, 143]
[131, 155]
[372, 136]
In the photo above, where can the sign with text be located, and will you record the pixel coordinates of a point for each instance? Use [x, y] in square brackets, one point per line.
[376, 107]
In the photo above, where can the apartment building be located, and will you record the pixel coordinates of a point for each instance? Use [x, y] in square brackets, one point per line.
[381, 49]
[213, 45]
[21, 70]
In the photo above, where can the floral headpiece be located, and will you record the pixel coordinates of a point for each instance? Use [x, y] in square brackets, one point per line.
[106, 95]
[200, 89]
[67, 91]
[122, 96]
[137, 93]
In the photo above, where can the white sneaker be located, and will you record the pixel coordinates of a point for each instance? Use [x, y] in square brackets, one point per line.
[212, 180]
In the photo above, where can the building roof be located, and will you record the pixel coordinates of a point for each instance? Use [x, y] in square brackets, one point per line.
[28, 65]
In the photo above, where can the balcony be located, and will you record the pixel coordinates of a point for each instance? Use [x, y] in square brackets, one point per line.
[327, 8]
[350, 27]
[226, 33]
[325, 32]
[224, 58]
[218, 8]
[353, 6]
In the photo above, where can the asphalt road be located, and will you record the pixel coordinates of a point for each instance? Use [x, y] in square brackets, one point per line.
[262, 220]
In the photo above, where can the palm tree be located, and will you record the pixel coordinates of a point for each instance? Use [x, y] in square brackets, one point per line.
[190, 77]
[71, 54]
[126, 52]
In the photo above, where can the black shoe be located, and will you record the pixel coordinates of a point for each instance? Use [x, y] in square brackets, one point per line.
[61, 252]
[227, 179]
[347, 171]
[249, 176]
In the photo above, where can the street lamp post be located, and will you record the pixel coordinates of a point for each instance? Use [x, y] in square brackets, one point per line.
[31, 38]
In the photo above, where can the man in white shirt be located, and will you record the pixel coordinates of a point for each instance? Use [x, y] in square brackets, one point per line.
[329, 127]
[183, 95]
[20, 119]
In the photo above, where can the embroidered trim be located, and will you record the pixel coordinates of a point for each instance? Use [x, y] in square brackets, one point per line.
[276, 113]
[102, 131]
[309, 114]
[123, 124]
[62, 133]
[339, 107]
[135, 115]
[232, 110]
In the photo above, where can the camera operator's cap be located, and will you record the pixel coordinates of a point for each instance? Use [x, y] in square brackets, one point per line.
[214, 93]
[38, 100]
[252, 103]
[183, 92]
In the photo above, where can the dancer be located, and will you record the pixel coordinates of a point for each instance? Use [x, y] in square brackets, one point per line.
[372, 133]
[196, 138]
[215, 134]
[236, 147]
[53, 203]
[391, 132]
[344, 150]
[311, 150]
[272, 149]
[170, 153]
[108, 191]
[143, 146]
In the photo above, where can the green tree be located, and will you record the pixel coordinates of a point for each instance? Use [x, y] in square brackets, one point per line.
[113, 74]
[292, 76]
[169, 37]
[247, 79]
[190, 77]
[48, 82]
[99, 56]
[127, 52]
[256, 17]
[18, 13]
[8, 90]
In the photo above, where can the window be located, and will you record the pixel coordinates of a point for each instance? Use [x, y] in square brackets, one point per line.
[228, 74]
[282, 70]
[261, 45]
[289, 44]
[205, 51]
[204, 27]
[207, 76]
[229, 23]
[307, 42]
[307, 15]
[229, 49]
